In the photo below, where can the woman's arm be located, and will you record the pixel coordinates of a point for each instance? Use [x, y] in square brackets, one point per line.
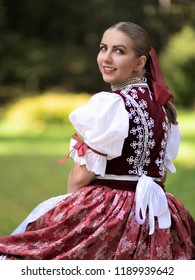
[79, 177]
[163, 180]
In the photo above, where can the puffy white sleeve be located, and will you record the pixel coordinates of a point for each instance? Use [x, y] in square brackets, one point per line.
[172, 148]
[103, 123]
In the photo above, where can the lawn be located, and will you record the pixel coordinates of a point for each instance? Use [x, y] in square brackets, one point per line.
[30, 173]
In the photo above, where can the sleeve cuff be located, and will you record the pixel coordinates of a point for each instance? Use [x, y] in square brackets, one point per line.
[94, 162]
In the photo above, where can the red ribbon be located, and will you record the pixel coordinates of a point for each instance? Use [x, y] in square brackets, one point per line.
[158, 85]
[81, 148]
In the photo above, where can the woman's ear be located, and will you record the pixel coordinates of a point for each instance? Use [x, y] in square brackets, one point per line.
[141, 63]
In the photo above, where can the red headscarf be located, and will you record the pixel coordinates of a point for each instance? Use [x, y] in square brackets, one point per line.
[160, 90]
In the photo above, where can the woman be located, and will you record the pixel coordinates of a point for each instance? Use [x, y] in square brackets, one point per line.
[118, 207]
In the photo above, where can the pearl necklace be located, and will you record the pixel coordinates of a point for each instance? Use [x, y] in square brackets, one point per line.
[129, 81]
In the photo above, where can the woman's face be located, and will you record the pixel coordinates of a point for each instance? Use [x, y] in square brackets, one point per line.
[116, 59]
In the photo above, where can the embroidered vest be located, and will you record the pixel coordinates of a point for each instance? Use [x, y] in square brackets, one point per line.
[144, 148]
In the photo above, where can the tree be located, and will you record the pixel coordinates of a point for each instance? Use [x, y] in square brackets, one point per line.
[178, 60]
[51, 43]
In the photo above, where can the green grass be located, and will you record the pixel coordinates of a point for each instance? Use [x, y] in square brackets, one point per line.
[182, 183]
[30, 173]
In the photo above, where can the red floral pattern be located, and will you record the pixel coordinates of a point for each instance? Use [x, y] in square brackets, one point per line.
[98, 223]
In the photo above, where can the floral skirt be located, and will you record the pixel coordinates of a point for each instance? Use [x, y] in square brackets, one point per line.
[98, 223]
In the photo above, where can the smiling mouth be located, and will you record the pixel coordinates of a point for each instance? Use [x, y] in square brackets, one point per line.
[108, 70]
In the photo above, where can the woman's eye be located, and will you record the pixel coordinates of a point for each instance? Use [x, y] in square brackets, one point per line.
[103, 49]
[119, 51]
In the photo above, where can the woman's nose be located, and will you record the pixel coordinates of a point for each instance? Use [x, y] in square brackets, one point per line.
[107, 57]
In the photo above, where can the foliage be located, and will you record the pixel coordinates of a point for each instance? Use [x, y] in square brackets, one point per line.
[48, 44]
[35, 113]
[177, 62]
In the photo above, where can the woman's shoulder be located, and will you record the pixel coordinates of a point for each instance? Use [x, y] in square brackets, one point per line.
[99, 105]
[112, 97]
[101, 121]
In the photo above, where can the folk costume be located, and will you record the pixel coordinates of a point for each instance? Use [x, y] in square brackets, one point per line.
[125, 213]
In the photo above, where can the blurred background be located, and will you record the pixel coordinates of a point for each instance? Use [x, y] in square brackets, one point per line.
[48, 67]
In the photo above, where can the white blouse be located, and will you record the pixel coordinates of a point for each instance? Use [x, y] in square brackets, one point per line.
[103, 123]
[172, 148]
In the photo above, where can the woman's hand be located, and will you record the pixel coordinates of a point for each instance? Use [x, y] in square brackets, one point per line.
[79, 177]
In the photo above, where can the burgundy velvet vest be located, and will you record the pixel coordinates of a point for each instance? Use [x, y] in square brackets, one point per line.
[144, 148]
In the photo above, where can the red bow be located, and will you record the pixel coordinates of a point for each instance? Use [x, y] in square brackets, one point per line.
[81, 148]
[158, 85]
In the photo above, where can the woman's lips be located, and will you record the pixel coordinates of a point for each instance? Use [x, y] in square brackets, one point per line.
[108, 70]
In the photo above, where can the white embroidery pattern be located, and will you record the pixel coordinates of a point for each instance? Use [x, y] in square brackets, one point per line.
[143, 130]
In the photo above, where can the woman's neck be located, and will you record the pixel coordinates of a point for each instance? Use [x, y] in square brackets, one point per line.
[128, 81]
